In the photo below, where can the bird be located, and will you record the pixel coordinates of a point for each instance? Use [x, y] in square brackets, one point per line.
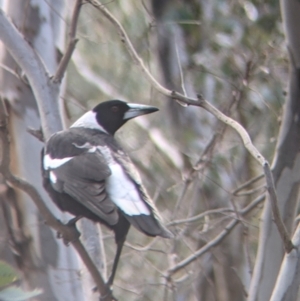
[87, 173]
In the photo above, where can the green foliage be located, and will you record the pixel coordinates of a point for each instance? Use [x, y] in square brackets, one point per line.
[8, 275]
[8, 290]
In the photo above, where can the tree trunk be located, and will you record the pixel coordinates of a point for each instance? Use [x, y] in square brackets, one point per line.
[285, 169]
[45, 262]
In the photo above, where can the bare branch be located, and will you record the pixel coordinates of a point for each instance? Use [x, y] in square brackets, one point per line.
[261, 188]
[37, 133]
[127, 43]
[288, 245]
[197, 217]
[218, 239]
[199, 166]
[71, 44]
[287, 282]
[9, 70]
[45, 92]
[247, 183]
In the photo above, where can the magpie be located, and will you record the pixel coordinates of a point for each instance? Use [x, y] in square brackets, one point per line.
[88, 174]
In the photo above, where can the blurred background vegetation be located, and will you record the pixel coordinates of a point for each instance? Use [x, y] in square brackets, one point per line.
[234, 54]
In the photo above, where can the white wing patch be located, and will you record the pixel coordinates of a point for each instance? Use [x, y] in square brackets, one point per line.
[50, 163]
[121, 189]
[53, 177]
[123, 192]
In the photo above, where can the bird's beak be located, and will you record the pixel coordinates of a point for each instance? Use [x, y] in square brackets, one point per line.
[138, 110]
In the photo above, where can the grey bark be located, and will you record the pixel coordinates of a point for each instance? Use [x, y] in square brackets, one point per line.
[44, 261]
[285, 169]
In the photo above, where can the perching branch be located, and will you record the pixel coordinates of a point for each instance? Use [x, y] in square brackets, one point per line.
[201, 102]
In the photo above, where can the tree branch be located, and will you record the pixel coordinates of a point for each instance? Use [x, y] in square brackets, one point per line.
[287, 283]
[201, 102]
[214, 242]
[276, 214]
[45, 92]
[71, 44]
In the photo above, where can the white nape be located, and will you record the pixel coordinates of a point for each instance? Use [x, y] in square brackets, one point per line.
[88, 120]
[50, 163]
[123, 192]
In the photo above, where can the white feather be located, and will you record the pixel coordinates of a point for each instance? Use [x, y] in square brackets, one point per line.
[123, 192]
[121, 189]
[50, 163]
[90, 147]
[88, 120]
[53, 177]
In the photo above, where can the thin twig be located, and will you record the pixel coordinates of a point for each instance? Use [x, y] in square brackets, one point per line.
[214, 242]
[127, 43]
[180, 70]
[10, 71]
[197, 217]
[37, 133]
[199, 167]
[63, 64]
[247, 183]
[261, 188]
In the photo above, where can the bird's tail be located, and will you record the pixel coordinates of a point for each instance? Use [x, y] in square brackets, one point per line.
[149, 225]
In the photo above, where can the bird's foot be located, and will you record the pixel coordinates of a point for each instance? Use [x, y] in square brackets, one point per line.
[109, 283]
[72, 222]
[108, 296]
[69, 231]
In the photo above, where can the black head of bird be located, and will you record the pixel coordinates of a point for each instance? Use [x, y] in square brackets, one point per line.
[87, 173]
[110, 115]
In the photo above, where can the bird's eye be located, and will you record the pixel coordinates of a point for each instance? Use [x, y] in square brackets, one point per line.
[115, 109]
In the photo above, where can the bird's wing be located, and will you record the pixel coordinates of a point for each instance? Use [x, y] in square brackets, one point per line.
[81, 173]
[133, 174]
[150, 224]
